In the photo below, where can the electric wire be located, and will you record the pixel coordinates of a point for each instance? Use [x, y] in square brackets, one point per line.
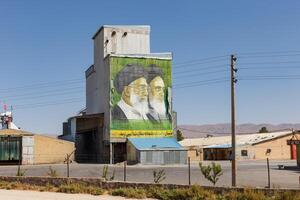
[201, 69]
[49, 93]
[201, 81]
[71, 100]
[46, 95]
[268, 52]
[266, 63]
[201, 84]
[197, 74]
[44, 85]
[201, 59]
[267, 56]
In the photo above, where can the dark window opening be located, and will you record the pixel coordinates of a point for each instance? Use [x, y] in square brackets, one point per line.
[244, 152]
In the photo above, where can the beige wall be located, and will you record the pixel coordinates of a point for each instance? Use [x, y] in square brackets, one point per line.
[131, 153]
[51, 150]
[279, 149]
[195, 154]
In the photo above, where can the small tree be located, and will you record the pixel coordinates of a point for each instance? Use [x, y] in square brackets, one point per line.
[20, 172]
[159, 175]
[179, 135]
[263, 130]
[52, 172]
[211, 172]
[105, 174]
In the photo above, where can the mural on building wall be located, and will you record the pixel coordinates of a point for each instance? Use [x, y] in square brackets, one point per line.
[141, 99]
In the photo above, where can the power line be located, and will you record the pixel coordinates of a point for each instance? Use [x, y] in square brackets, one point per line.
[202, 81]
[271, 76]
[201, 59]
[42, 104]
[268, 52]
[270, 67]
[268, 56]
[201, 84]
[267, 63]
[197, 74]
[47, 95]
[200, 69]
[43, 85]
[196, 63]
[262, 79]
[49, 92]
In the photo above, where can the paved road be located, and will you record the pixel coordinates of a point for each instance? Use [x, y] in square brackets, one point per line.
[250, 173]
[33, 195]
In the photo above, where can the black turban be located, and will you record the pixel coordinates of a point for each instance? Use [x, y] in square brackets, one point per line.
[127, 75]
[154, 71]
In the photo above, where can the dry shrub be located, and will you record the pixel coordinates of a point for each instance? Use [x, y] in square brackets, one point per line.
[130, 193]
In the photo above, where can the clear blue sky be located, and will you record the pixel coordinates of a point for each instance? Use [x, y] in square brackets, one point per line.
[50, 41]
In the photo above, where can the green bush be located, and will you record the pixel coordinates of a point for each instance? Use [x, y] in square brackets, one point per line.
[246, 195]
[287, 196]
[52, 172]
[159, 176]
[193, 193]
[211, 172]
[130, 193]
[80, 188]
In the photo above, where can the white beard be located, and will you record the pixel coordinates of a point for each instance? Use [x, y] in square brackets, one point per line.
[140, 105]
[158, 106]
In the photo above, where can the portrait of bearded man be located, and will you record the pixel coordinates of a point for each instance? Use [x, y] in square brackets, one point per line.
[157, 103]
[131, 83]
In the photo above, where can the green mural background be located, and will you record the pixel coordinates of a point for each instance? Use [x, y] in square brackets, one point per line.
[139, 128]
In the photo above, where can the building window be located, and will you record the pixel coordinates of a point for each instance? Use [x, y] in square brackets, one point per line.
[244, 152]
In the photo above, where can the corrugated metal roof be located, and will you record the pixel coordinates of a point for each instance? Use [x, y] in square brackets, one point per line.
[241, 140]
[155, 143]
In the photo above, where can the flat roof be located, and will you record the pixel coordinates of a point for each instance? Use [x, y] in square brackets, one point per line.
[4, 132]
[163, 56]
[141, 27]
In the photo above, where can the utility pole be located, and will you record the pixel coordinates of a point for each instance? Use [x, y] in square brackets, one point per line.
[233, 70]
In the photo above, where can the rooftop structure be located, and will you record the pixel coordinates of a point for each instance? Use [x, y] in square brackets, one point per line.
[247, 139]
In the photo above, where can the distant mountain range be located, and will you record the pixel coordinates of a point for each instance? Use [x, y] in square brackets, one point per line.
[195, 131]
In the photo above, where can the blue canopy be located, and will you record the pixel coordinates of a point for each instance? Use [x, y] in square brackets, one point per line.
[155, 143]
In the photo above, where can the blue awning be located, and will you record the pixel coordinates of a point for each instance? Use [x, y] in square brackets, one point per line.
[155, 143]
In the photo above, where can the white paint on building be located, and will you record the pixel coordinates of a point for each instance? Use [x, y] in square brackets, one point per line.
[28, 150]
[111, 40]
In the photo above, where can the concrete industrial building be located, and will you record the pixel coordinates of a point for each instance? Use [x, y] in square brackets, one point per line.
[256, 146]
[98, 138]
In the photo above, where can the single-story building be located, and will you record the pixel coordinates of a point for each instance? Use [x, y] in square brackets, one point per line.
[157, 151]
[21, 147]
[249, 146]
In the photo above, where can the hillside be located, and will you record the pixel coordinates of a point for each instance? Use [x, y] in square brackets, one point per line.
[194, 131]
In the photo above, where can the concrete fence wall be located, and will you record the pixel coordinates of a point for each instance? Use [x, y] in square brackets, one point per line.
[98, 182]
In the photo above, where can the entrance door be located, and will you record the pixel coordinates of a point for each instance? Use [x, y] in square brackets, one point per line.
[293, 152]
[120, 152]
[10, 150]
